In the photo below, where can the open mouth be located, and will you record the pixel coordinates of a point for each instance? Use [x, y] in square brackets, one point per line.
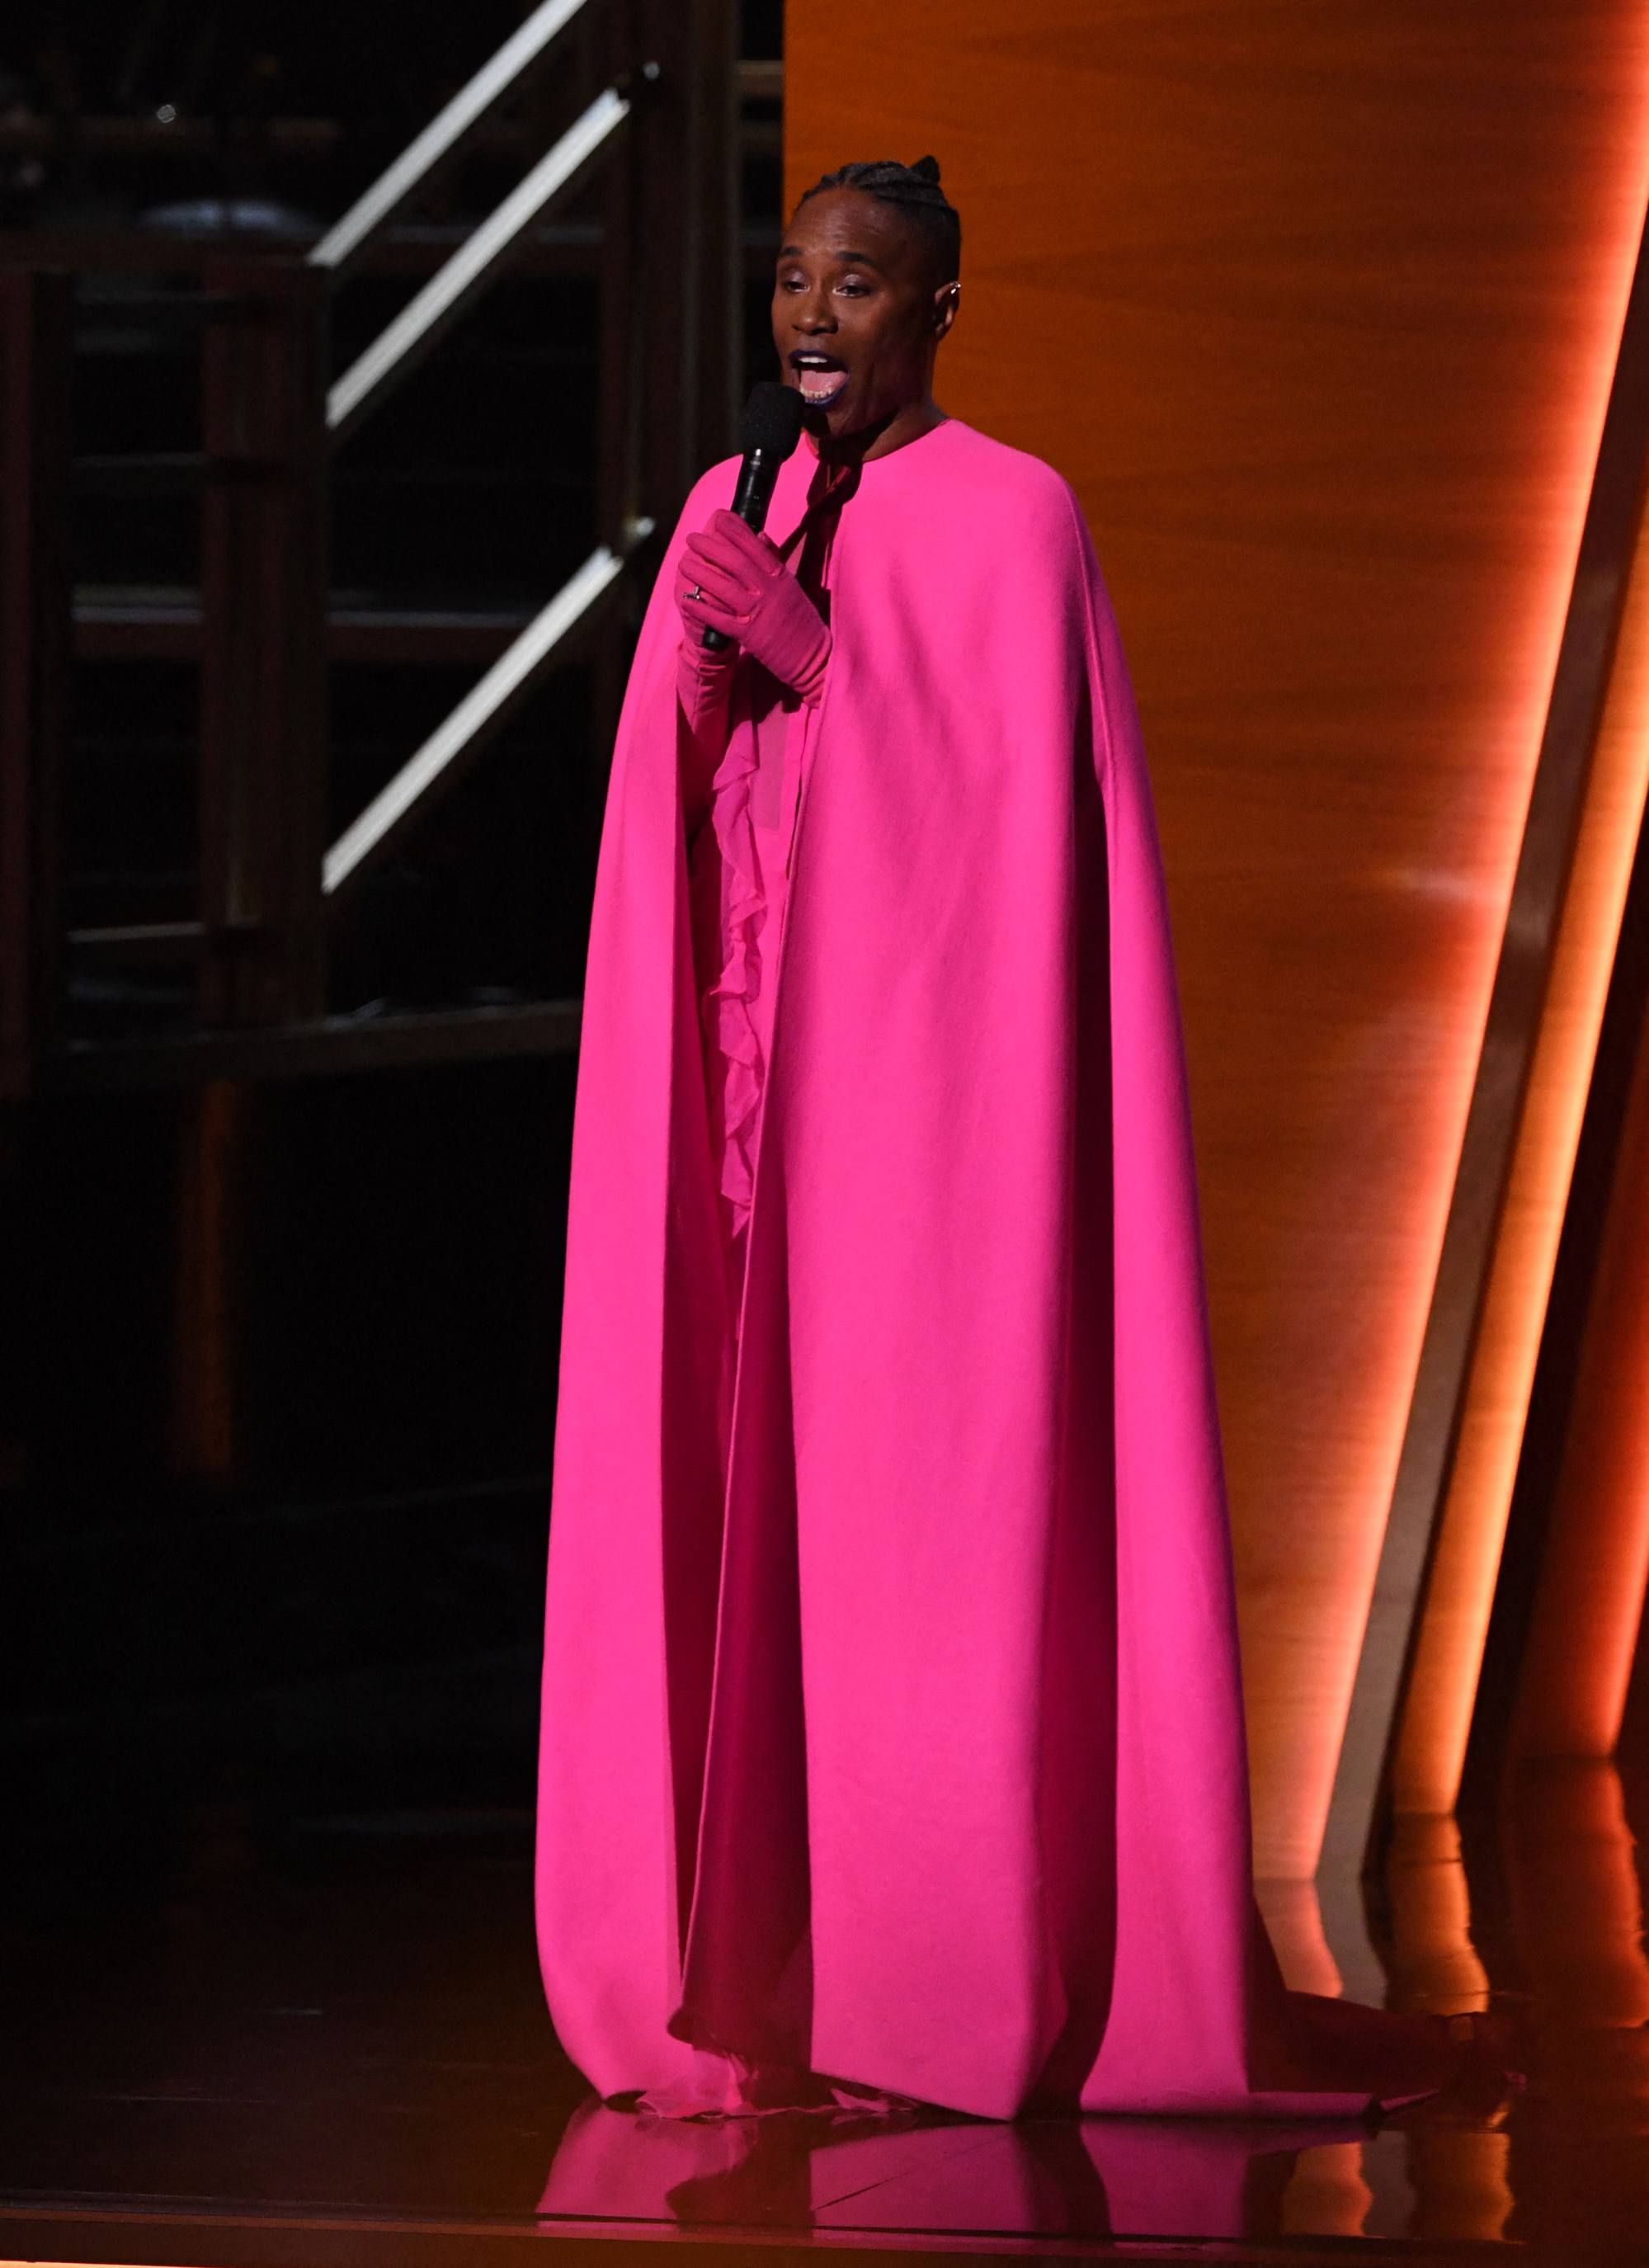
[819, 375]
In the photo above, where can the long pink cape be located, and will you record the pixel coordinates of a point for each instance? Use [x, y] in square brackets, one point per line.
[917, 1757]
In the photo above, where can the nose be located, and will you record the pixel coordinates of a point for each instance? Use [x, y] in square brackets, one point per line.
[812, 312]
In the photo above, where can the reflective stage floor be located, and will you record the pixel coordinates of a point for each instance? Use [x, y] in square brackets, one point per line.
[323, 2041]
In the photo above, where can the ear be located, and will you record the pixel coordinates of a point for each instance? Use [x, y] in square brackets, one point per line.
[946, 300]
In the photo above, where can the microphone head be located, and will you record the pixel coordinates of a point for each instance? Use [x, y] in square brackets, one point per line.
[771, 423]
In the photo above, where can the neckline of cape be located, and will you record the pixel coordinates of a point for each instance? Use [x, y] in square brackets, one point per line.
[809, 457]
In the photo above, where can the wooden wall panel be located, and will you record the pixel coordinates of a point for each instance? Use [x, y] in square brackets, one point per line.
[1317, 306]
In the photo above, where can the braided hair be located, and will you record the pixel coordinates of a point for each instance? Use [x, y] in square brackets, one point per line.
[916, 190]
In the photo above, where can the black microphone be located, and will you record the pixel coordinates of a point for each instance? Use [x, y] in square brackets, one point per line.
[768, 432]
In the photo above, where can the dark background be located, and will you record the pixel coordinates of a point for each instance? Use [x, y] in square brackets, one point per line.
[349, 1618]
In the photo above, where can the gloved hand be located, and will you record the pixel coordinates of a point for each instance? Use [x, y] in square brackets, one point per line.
[750, 594]
[703, 678]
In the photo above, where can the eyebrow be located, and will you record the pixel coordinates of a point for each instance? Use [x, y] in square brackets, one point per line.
[858, 258]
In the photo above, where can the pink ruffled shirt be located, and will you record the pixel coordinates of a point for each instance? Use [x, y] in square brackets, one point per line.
[747, 740]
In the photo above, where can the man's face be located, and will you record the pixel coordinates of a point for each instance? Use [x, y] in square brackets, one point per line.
[857, 314]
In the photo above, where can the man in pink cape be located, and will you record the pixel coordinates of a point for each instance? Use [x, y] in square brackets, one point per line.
[893, 1728]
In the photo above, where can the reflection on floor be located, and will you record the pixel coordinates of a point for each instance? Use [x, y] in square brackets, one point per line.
[327, 2044]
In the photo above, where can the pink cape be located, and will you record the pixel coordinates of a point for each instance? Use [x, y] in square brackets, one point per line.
[914, 1755]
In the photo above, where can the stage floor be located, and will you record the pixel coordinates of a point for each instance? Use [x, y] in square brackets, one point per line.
[323, 2041]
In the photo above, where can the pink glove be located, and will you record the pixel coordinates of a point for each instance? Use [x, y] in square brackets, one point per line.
[748, 592]
[702, 681]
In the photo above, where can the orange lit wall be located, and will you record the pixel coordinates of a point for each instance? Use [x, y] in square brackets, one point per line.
[1317, 306]
[1592, 1586]
[1589, 1603]
[1589, 1608]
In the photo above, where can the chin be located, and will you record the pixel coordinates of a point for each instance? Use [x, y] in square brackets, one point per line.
[819, 415]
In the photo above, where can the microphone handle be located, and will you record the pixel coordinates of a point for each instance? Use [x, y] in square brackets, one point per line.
[751, 499]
